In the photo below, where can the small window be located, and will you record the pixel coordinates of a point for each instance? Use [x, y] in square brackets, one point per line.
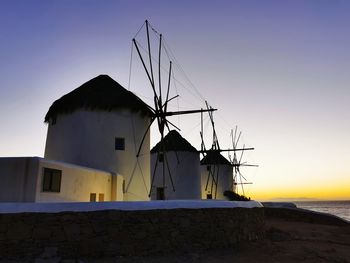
[93, 197]
[120, 144]
[160, 193]
[101, 197]
[52, 180]
[209, 196]
[123, 186]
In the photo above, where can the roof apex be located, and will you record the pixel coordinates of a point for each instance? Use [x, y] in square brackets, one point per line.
[173, 141]
[214, 157]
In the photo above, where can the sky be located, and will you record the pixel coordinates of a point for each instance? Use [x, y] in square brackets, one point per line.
[279, 70]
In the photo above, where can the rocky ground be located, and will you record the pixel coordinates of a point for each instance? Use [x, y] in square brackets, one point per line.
[291, 236]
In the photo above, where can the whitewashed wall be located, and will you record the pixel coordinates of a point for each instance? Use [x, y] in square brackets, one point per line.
[185, 175]
[87, 138]
[18, 177]
[22, 181]
[77, 183]
[224, 183]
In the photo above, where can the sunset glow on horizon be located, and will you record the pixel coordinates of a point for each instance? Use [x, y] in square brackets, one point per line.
[279, 70]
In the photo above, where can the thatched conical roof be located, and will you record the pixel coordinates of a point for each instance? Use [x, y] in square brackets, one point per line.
[214, 157]
[99, 93]
[173, 141]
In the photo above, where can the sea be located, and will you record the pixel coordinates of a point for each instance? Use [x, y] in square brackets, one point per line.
[338, 208]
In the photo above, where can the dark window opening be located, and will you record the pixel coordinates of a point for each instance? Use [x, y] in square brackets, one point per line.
[120, 144]
[209, 196]
[52, 180]
[208, 167]
[101, 197]
[160, 193]
[93, 197]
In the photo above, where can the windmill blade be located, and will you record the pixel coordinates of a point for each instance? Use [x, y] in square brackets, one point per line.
[215, 138]
[211, 174]
[233, 139]
[159, 62]
[233, 136]
[244, 164]
[230, 158]
[168, 89]
[242, 184]
[202, 143]
[149, 52]
[208, 177]
[212, 181]
[239, 137]
[240, 159]
[144, 66]
[174, 113]
[167, 121]
[227, 150]
[241, 175]
[167, 101]
[249, 165]
[144, 136]
[236, 150]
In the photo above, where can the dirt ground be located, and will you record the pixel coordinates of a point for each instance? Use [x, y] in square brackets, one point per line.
[291, 236]
[286, 241]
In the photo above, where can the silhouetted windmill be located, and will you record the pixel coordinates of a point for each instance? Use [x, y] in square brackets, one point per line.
[160, 108]
[238, 178]
[214, 160]
[210, 156]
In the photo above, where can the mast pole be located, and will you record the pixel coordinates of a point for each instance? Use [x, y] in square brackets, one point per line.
[160, 83]
[149, 52]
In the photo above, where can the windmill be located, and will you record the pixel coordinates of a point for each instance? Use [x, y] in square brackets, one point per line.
[238, 178]
[160, 112]
[210, 157]
[218, 168]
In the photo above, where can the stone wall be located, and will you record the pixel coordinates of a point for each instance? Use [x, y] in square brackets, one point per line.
[121, 233]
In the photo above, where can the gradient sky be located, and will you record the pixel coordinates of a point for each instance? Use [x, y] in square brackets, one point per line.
[280, 70]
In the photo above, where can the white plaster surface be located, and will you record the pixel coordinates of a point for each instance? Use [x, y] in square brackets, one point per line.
[225, 181]
[126, 205]
[77, 183]
[21, 180]
[87, 138]
[184, 172]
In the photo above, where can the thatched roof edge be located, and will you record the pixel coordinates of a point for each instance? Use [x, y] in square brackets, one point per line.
[100, 93]
[174, 142]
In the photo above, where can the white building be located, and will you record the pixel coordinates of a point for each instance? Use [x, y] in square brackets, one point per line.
[183, 160]
[35, 179]
[97, 127]
[217, 167]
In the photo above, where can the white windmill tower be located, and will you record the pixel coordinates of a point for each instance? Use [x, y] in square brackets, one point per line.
[216, 170]
[98, 125]
[183, 165]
